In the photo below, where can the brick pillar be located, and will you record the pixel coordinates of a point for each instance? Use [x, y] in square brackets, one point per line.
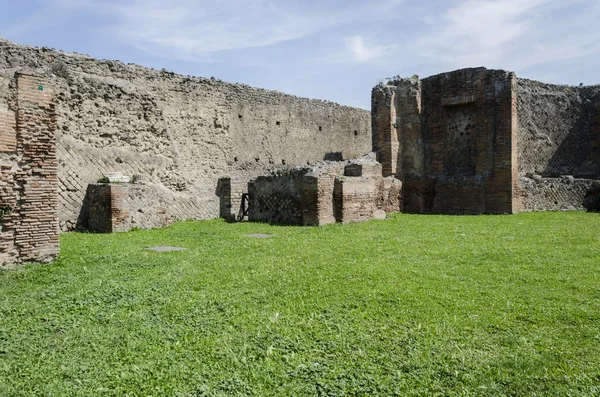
[37, 238]
[108, 211]
[502, 186]
[30, 231]
[408, 121]
[385, 136]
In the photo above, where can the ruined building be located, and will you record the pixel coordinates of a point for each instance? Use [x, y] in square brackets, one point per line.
[179, 135]
[470, 141]
[484, 141]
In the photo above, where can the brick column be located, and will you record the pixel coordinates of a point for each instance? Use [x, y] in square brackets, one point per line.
[108, 211]
[30, 231]
[408, 121]
[385, 136]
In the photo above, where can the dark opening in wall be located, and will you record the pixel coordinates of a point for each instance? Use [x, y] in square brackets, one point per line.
[320, 128]
[355, 133]
[240, 116]
[334, 156]
[278, 122]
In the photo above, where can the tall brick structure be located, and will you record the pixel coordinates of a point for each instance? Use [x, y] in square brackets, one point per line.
[28, 172]
[482, 141]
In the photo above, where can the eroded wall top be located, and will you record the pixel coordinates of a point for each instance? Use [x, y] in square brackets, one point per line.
[177, 132]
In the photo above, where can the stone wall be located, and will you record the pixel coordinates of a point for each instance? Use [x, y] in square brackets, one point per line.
[324, 193]
[277, 198]
[28, 170]
[179, 133]
[559, 145]
[453, 140]
[483, 141]
[559, 130]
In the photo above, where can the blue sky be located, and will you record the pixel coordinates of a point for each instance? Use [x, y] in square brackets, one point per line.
[328, 49]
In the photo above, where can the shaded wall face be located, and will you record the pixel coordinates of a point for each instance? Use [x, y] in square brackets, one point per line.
[456, 136]
[559, 146]
[559, 130]
[179, 134]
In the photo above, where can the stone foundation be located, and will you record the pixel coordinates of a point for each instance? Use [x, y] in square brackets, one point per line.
[324, 193]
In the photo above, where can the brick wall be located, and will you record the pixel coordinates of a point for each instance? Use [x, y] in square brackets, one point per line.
[29, 181]
[324, 193]
[8, 130]
[457, 140]
[108, 208]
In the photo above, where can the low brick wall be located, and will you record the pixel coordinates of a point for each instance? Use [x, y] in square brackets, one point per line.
[328, 192]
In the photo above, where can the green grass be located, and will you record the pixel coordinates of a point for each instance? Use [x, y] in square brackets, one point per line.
[413, 306]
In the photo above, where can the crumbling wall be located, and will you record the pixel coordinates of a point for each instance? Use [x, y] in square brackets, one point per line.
[453, 140]
[359, 193]
[28, 170]
[559, 145]
[179, 133]
[277, 198]
[478, 140]
[559, 130]
[323, 193]
[318, 193]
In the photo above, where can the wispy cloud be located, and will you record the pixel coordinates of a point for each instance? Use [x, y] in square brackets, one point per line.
[359, 49]
[507, 33]
[197, 28]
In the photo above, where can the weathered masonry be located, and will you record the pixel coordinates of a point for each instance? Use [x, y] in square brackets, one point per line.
[179, 134]
[28, 171]
[483, 141]
[327, 192]
[469, 141]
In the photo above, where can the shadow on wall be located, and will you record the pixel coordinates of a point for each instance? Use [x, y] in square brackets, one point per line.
[592, 200]
[223, 192]
[82, 219]
[579, 153]
[334, 156]
[233, 199]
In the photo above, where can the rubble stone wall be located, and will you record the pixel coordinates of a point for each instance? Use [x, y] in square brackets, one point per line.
[558, 145]
[180, 134]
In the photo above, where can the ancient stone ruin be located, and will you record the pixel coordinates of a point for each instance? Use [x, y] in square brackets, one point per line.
[484, 141]
[469, 141]
[328, 192]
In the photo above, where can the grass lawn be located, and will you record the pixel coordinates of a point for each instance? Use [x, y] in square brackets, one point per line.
[413, 306]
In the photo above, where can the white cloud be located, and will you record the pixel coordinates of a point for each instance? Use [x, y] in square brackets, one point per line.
[365, 51]
[509, 34]
[358, 49]
[194, 29]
